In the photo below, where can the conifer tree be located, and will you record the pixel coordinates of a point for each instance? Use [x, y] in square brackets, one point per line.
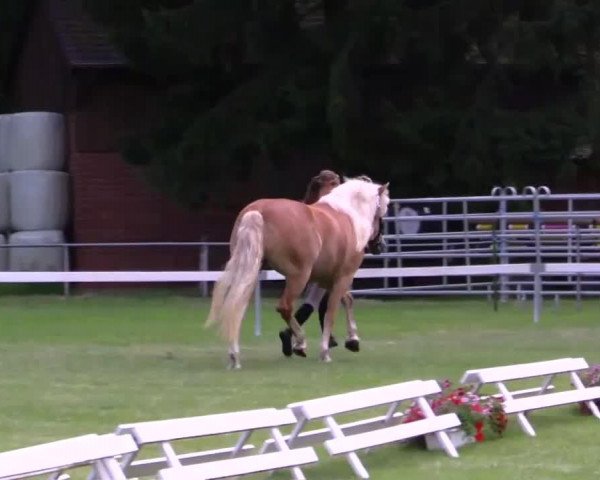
[438, 96]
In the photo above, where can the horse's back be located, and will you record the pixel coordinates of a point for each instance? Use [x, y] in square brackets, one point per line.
[290, 239]
[299, 236]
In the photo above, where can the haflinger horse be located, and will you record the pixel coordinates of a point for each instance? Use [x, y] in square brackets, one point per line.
[315, 297]
[322, 243]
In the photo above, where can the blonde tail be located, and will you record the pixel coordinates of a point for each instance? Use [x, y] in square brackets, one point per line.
[233, 290]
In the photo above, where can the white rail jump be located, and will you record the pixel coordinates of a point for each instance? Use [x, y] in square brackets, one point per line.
[347, 439]
[164, 432]
[520, 402]
[242, 466]
[97, 452]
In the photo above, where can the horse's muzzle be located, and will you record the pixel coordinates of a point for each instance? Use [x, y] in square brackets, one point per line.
[377, 246]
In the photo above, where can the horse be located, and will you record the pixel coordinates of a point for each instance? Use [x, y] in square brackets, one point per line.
[323, 243]
[316, 297]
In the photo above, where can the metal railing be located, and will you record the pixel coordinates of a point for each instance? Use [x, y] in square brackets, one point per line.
[504, 227]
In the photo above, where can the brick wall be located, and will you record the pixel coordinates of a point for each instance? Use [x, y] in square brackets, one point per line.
[112, 203]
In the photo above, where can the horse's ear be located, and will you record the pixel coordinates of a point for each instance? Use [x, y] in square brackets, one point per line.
[383, 188]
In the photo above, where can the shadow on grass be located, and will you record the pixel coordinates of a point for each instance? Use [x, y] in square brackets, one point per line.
[24, 289]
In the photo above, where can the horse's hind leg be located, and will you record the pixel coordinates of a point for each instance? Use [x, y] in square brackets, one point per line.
[234, 355]
[353, 340]
[234, 351]
[293, 288]
[335, 296]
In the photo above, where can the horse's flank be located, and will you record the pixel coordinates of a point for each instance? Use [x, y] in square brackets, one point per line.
[297, 235]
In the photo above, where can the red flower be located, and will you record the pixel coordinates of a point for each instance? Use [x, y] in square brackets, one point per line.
[479, 436]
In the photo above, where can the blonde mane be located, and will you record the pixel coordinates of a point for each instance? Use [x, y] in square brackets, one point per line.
[360, 200]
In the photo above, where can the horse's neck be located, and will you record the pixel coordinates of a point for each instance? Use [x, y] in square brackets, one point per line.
[361, 229]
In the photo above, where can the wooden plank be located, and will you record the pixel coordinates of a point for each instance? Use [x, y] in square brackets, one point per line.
[361, 399]
[242, 466]
[551, 400]
[524, 370]
[151, 466]
[382, 436]
[319, 435]
[63, 454]
[206, 425]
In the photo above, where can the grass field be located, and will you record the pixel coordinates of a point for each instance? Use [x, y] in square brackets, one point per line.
[88, 363]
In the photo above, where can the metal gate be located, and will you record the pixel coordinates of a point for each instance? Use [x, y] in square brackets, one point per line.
[533, 226]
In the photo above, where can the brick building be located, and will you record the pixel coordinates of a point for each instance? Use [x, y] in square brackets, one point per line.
[67, 64]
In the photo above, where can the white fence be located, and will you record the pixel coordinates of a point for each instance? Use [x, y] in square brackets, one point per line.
[516, 269]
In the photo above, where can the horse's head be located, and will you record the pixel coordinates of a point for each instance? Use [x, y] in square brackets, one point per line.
[365, 202]
[376, 244]
[320, 185]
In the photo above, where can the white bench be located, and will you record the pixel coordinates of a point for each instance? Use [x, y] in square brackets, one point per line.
[320, 435]
[99, 452]
[349, 438]
[520, 402]
[164, 432]
[242, 466]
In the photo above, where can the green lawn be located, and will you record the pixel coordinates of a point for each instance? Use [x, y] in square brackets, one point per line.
[88, 363]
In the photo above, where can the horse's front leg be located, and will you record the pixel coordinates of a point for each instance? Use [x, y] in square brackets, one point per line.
[353, 340]
[336, 293]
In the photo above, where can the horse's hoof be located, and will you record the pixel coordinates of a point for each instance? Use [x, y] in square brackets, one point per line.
[286, 342]
[325, 358]
[234, 363]
[300, 352]
[332, 342]
[353, 345]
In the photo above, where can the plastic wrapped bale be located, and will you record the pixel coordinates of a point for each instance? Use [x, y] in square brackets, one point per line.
[39, 200]
[38, 258]
[4, 142]
[4, 202]
[37, 141]
[3, 254]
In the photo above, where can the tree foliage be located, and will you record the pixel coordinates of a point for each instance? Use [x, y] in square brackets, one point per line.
[13, 20]
[438, 96]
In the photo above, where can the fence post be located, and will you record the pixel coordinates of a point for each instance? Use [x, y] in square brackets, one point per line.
[465, 211]
[570, 234]
[398, 240]
[502, 210]
[578, 282]
[204, 267]
[537, 274]
[444, 239]
[495, 278]
[66, 268]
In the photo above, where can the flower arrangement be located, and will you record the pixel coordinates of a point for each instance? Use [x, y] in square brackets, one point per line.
[590, 378]
[481, 418]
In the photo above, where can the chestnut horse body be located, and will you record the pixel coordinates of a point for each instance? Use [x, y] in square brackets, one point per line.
[323, 243]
